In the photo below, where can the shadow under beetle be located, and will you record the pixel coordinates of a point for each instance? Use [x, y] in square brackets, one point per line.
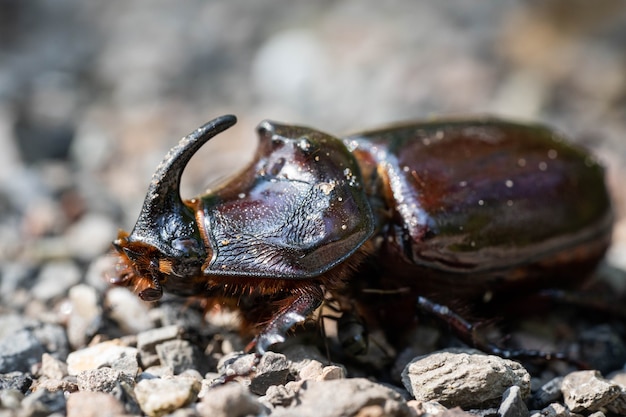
[449, 210]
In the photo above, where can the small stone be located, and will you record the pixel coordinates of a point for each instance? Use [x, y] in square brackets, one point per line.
[555, 410]
[16, 381]
[53, 338]
[156, 372]
[468, 380]
[548, 393]
[85, 314]
[456, 412]
[349, 396]
[103, 379]
[237, 363]
[168, 314]
[618, 405]
[90, 236]
[332, 372]
[273, 369]
[11, 398]
[229, 400]
[43, 403]
[158, 396]
[99, 271]
[301, 355]
[588, 391]
[20, 351]
[55, 279]
[512, 404]
[65, 385]
[109, 354]
[426, 408]
[278, 395]
[93, 404]
[179, 355]
[311, 370]
[129, 311]
[52, 368]
[149, 339]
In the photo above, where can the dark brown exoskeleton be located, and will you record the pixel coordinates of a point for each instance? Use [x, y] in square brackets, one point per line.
[454, 209]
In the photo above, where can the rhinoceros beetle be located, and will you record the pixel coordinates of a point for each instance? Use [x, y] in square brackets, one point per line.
[450, 209]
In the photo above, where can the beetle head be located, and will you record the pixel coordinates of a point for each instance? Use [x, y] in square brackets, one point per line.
[166, 241]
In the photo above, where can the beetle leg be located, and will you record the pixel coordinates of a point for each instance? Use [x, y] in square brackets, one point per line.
[466, 332]
[594, 302]
[297, 310]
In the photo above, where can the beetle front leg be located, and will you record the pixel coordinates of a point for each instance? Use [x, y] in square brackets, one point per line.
[297, 309]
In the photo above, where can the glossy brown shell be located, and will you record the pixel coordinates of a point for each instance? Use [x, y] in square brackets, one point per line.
[469, 207]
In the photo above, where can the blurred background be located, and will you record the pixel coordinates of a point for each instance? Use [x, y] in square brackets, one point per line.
[93, 94]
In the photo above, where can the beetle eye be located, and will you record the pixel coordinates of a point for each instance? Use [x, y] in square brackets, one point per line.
[187, 246]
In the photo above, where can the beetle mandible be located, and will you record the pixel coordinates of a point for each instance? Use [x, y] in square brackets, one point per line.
[448, 209]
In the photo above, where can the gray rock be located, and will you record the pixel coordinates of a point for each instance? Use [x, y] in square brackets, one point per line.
[90, 236]
[555, 410]
[111, 354]
[272, 369]
[103, 379]
[512, 404]
[129, 311]
[149, 339]
[93, 404]
[53, 338]
[231, 400]
[16, 381]
[278, 395]
[11, 398]
[315, 370]
[160, 396]
[618, 406]
[468, 380]
[20, 351]
[86, 314]
[52, 367]
[458, 412]
[179, 355]
[43, 403]
[548, 393]
[349, 397]
[66, 385]
[168, 314]
[237, 363]
[588, 391]
[55, 279]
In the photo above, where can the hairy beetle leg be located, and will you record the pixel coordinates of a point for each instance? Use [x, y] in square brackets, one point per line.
[466, 332]
[297, 310]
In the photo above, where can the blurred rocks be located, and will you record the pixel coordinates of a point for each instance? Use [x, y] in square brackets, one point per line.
[92, 95]
[229, 400]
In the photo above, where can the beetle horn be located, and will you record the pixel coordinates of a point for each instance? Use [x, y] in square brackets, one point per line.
[164, 217]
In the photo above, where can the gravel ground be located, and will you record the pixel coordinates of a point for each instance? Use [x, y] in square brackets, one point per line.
[93, 94]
